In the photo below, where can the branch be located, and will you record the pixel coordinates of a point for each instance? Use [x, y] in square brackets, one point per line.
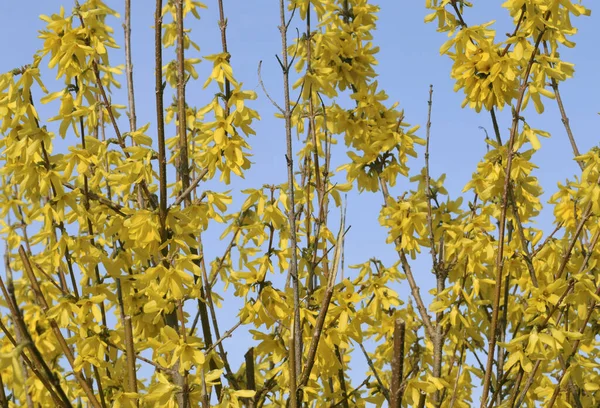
[397, 364]
[59, 337]
[563, 113]
[530, 379]
[500, 256]
[184, 168]
[312, 350]
[160, 121]
[262, 85]
[384, 389]
[48, 378]
[184, 195]
[414, 288]
[354, 391]
[129, 67]
[129, 342]
[250, 378]
[297, 346]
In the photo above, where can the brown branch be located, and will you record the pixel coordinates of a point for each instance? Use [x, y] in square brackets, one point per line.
[250, 376]
[397, 364]
[184, 166]
[225, 335]
[320, 321]
[428, 192]
[456, 381]
[384, 389]
[574, 349]
[160, 122]
[341, 378]
[48, 378]
[406, 268]
[293, 399]
[223, 29]
[320, 185]
[563, 113]
[129, 79]
[586, 216]
[517, 26]
[129, 343]
[44, 380]
[438, 266]
[297, 346]
[548, 238]
[129, 67]
[3, 400]
[90, 226]
[206, 293]
[61, 225]
[500, 256]
[59, 337]
[344, 401]
[111, 115]
[184, 195]
[117, 208]
[569, 289]
[262, 85]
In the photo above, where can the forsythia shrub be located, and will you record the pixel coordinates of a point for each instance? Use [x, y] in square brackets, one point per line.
[104, 248]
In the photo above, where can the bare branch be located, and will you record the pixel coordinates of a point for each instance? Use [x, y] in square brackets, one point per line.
[262, 85]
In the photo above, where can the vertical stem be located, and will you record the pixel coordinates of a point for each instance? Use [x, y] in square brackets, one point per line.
[293, 376]
[171, 318]
[206, 294]
[223, 28]
[320, 186]
[129, 67]
[456, 381]
[341, 378]
[437, 266]
[160, 127]
[397, 364]
[160, 122]
[250, 377]
[320, 320]
[129, 343]
[129, 78]
[3, 400]
[182, 122]
[86, 205]
[290, 173]
[500, 255]
[502, 337]
[406, 268]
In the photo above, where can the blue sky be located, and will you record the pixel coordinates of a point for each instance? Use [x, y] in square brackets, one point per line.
[409, 61]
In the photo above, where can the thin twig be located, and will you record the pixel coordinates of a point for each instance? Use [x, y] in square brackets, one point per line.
[184, 195]
[500, 255]
[406, 268]
[354, 391]
[262, 85]
[297, 346]
[382, 386]
[563, 114]
[320, 321]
